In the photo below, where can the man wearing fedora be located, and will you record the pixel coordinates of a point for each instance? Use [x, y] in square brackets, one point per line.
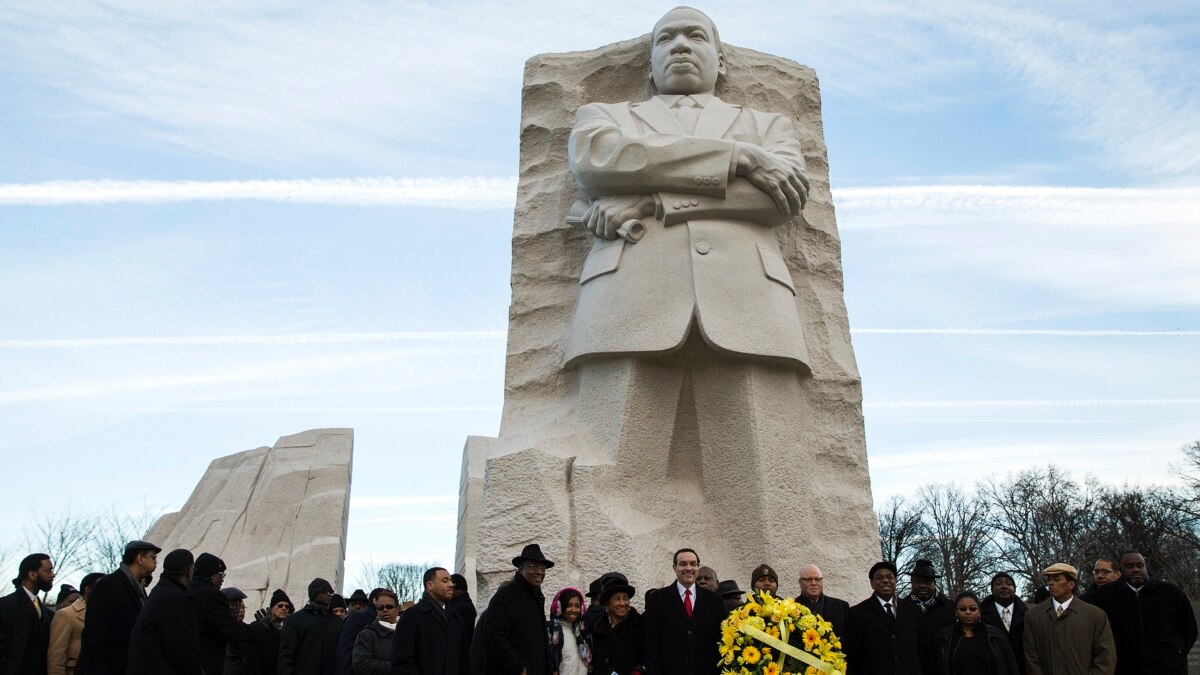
[1065, 635]
[514, 637]
[731, 594]
[934, 610]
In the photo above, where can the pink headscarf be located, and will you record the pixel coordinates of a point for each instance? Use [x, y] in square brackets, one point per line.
[554, 604]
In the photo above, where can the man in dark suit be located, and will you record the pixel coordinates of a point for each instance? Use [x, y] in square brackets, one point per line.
[113, 608]
[812, 595]
[218, 626]
[1004, 610]
[934, 610]
[431, 638]
[24, 622]
[1153, 624]
[164, 637]
[515, 641]
[882, 632]
[683, 623]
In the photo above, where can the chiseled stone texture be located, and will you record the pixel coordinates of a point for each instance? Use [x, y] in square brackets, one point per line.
[548, 479]
[276, 516]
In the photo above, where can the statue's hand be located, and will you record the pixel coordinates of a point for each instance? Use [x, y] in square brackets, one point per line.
[782, 181]
[607, 214]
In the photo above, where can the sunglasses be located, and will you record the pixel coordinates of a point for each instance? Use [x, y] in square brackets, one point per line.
[384, 608]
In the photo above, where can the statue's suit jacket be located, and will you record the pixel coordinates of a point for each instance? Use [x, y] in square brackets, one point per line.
[710, 253]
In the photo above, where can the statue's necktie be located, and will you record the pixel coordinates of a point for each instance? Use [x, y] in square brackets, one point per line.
[687, 111]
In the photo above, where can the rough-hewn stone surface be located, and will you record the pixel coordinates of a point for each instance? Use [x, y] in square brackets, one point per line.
[276, 516]
[547, 479]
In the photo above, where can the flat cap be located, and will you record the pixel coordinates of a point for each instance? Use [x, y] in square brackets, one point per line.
[233, 593]
[139, 545]
[1061, 568]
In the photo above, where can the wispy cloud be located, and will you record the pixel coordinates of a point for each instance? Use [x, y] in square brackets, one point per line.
[273, 340]
[1035, 403]
[411, 500]
[467, 193]
[1018, 332]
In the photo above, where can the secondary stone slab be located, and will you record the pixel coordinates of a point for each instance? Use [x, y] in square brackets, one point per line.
[276, 515]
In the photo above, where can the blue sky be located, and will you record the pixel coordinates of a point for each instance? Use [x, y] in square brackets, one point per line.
[1017, 185]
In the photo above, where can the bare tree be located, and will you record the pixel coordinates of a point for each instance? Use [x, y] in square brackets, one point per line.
[403, 578]
[112, 530]
[901, 531]
[958, 535]
[1190, 473]
[1043, 516]
[63, 535]
[1153, 521]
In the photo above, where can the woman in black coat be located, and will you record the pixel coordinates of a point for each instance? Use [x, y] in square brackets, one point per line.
[618, 637]
[971, 647]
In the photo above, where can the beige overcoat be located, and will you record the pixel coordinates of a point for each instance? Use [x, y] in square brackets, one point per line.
[66, 631]
[1079, 642]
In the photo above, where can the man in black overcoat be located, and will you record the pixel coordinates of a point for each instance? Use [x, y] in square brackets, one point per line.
[308, 644]
[515, 641]
[934, 611]
[462, 603]
[1152, 621]
[881, 637]
[24, 621]
[165, 639]
[113, 607]
[812, 595]
[431, 638]
[351, 627]
[1004, 610]
[683, 623]
[262, 654]
[217, 625]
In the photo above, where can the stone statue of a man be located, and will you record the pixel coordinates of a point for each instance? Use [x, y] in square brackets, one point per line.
[687, 341]
[715, 178]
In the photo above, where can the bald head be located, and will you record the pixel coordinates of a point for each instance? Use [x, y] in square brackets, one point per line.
[685, 53]
[812, 582]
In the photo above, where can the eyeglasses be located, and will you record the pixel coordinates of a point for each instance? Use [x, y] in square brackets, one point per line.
[805, 579]
[1102, 571]
[384, 608]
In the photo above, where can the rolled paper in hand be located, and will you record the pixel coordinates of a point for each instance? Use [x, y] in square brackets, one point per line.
[631, 230]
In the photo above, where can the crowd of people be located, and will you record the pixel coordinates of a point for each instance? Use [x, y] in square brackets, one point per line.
[1125, 622]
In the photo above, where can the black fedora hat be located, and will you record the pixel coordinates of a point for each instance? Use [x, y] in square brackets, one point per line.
[728, 588]
[923, 568]
[532, 553]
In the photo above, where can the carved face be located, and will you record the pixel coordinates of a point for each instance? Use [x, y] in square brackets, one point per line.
[685, 57]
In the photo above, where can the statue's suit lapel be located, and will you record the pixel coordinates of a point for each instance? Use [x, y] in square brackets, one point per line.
[658, 116]
[716, 118]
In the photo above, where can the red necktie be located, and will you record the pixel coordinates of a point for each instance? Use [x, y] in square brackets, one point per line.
[687, 601]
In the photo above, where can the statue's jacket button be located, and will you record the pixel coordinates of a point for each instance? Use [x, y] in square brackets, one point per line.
[702, 247]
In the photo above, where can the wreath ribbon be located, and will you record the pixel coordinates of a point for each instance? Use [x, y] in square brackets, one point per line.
[785, 648]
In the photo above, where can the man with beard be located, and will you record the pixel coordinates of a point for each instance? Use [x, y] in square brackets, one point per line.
[763, 578]
[515, 641]
[881, 635]
[113, 607]
[1152, 621]
[1004, 610]
[24, 622]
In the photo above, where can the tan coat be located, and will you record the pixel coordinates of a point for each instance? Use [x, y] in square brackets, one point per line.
[66, 631]
[1079, 642]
